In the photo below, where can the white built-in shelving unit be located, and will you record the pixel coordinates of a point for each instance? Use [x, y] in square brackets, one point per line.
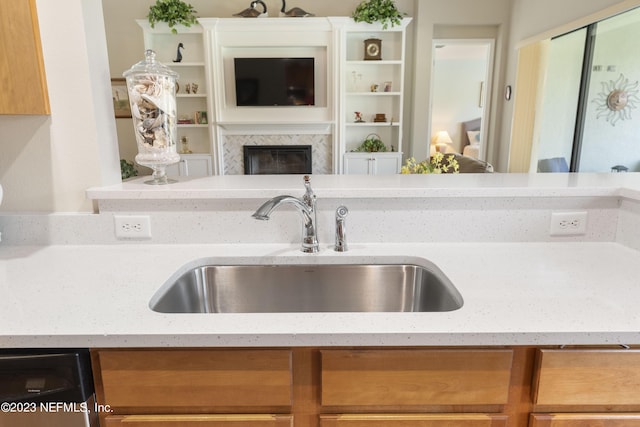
[343, 84]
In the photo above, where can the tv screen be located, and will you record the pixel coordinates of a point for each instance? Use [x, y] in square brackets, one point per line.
[268, 82]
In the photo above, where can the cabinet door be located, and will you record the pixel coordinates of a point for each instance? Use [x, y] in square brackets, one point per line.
[414, 420]
[401, 378]
[196, 166]
[357, 165]
[387, 165]
[191, 165]
[587, 377]
[200, 421]
[580, 420]
[143, 381]
[24, 86]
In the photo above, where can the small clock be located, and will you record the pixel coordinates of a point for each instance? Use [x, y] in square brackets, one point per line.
[372, 49]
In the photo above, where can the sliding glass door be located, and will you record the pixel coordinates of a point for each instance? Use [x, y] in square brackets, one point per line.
[590, 118]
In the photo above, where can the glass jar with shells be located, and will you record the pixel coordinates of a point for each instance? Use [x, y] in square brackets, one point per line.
[152, 96]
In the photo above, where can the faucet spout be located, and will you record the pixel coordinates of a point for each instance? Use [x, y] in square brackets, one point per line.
[307, 208]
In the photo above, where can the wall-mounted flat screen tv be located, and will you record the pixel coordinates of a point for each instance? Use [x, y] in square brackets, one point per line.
[269, 82]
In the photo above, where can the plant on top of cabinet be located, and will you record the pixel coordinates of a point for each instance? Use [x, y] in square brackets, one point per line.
[172, 12]
[384, 11]
[373, 144]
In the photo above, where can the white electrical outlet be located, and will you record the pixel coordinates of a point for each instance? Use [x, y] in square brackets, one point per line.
[132, 227]
[568, 223]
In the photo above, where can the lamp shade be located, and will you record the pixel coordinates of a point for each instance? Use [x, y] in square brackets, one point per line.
[443, 138]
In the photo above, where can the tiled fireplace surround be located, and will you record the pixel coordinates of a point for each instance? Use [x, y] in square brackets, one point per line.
[321, 149]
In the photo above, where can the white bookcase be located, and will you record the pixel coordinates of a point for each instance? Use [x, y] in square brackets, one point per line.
[193, 105]
[371, 87]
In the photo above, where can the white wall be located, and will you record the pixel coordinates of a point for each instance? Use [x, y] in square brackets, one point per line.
[48, 161]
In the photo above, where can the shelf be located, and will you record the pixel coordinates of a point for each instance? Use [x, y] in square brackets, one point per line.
[381, 62]
[184, 64]
[373, 93]
[192, 125]
[373, 124]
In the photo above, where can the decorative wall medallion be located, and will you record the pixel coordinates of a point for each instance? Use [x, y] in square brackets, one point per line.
[616, 100]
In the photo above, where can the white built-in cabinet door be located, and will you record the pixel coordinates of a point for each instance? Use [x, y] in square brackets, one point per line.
[372, 163]
[191, 165]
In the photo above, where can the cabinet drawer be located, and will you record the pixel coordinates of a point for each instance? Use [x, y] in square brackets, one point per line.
[579, 420]
[196, 378]
[413, 420]
[200, 421]
[587, 377]
[415, 377]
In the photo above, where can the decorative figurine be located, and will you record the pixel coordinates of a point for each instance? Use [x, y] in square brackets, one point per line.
[179, 53]
[295, 12]
[194, 88]
[358, 118]
[374, 87]
[252, 12]
[185, 145]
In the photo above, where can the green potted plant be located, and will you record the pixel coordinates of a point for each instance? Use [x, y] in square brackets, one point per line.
[127, 169]
[372, 144]
[383, 11]
[172, 12]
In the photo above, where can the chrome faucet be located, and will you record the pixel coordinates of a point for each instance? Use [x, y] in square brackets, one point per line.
[341, 229]
[306, 205]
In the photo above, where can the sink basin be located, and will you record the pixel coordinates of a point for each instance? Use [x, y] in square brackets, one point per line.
[308, 288]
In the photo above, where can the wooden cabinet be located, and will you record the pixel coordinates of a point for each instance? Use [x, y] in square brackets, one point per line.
[200, 421]
[585, 420]
[372, 163]
[413, 420]
[194, 381]
[588, 377]
[24, 85]
[407, 378]
[582, 387]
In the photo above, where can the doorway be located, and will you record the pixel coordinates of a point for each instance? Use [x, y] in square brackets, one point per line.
[460, 88]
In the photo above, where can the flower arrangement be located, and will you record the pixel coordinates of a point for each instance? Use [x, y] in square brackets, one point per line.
[438, 164]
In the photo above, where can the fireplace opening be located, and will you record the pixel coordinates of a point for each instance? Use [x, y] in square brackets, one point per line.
[277, 159]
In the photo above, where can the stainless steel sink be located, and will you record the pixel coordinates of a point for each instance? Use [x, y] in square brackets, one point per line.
[308, 288]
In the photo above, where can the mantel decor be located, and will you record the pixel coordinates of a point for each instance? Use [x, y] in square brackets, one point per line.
[383, 11]
[172, 12]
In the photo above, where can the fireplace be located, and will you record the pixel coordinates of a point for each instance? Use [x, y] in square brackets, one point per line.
[277, 159]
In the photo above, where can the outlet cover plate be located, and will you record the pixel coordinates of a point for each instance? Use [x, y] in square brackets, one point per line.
[568, 224]
[132, 226]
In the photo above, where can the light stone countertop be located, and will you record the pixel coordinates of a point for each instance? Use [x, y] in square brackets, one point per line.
[383, 186]
[514, 294]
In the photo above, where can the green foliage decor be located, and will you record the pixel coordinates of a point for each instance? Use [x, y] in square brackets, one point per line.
[437, 164]
[384, 11]
[172, 12]
[372, 144]
[127, 169]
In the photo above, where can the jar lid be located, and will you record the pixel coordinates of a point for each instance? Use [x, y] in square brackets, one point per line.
[150, 66]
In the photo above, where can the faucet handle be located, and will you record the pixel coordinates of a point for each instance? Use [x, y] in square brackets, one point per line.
[341, 229]
[309, 196]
